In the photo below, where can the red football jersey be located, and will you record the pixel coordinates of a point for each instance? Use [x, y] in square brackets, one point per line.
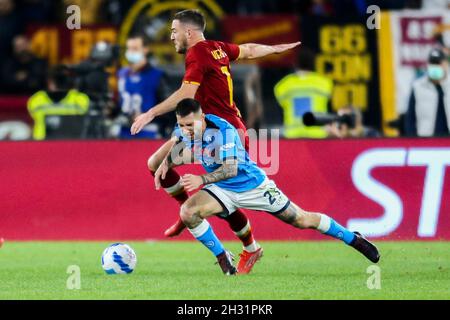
[208, 65]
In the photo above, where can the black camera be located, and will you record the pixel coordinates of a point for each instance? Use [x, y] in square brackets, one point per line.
[321, 119]
[91, 78]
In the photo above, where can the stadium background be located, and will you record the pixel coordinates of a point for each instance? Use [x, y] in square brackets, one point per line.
[101, 189]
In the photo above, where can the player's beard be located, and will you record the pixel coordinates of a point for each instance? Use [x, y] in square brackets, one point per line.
[183, 46]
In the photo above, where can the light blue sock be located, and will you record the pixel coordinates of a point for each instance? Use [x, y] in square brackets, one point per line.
[333, 229]
[205, 234]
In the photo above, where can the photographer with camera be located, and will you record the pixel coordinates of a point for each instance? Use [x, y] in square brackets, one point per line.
[59, 111]
[92, 77]
[347, 123]
[302, 91]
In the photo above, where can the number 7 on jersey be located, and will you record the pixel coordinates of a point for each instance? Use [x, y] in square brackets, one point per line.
[226, 72]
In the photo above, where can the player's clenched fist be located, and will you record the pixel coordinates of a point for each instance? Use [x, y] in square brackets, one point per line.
[191, 182]
[140, 122]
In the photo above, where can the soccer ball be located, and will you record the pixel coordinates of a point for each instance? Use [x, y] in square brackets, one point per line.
[118, 258]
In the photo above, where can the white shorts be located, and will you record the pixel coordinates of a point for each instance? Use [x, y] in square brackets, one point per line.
[266, 197]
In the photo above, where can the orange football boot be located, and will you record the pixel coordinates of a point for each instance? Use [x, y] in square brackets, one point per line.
[247, 260]
[175, 229]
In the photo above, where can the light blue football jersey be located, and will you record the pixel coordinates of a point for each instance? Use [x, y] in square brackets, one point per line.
[220, 142]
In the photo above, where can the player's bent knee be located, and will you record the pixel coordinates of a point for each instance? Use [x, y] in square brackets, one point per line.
[186, 213]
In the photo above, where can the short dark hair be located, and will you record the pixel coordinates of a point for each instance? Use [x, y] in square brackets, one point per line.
[61, 76]
[194, 17]
[186, 107]
[142, 36]
[436, 56]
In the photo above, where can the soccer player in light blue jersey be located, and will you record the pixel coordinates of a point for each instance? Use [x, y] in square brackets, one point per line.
[234, 181]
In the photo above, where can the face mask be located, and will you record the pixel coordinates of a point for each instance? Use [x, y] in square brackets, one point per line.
[134, 57]
[435, 72]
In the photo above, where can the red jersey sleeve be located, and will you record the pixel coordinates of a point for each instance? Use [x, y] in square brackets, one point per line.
[195, 66]
[232, 50]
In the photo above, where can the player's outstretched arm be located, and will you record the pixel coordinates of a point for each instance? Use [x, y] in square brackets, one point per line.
[187, 90]
[254, 50]
[227, 170]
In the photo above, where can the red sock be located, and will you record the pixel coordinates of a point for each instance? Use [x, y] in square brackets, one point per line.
[171, 183]
[240, 224]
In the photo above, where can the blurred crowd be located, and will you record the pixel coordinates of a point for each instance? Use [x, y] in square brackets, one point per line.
[62, 97]
[14, 12]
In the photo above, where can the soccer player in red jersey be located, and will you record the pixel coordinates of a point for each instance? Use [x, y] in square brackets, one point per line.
[207, 79]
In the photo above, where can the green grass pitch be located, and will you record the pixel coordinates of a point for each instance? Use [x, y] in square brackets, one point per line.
[186, 270]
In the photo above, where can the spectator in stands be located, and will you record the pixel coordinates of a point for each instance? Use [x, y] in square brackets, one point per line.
[302, 91]
[342, 130]
[141, 86]
[10, 26]
[429, 104]
[23, 73]
[58, 100]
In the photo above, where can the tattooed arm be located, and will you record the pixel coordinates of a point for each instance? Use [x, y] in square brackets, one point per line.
[227, 170]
